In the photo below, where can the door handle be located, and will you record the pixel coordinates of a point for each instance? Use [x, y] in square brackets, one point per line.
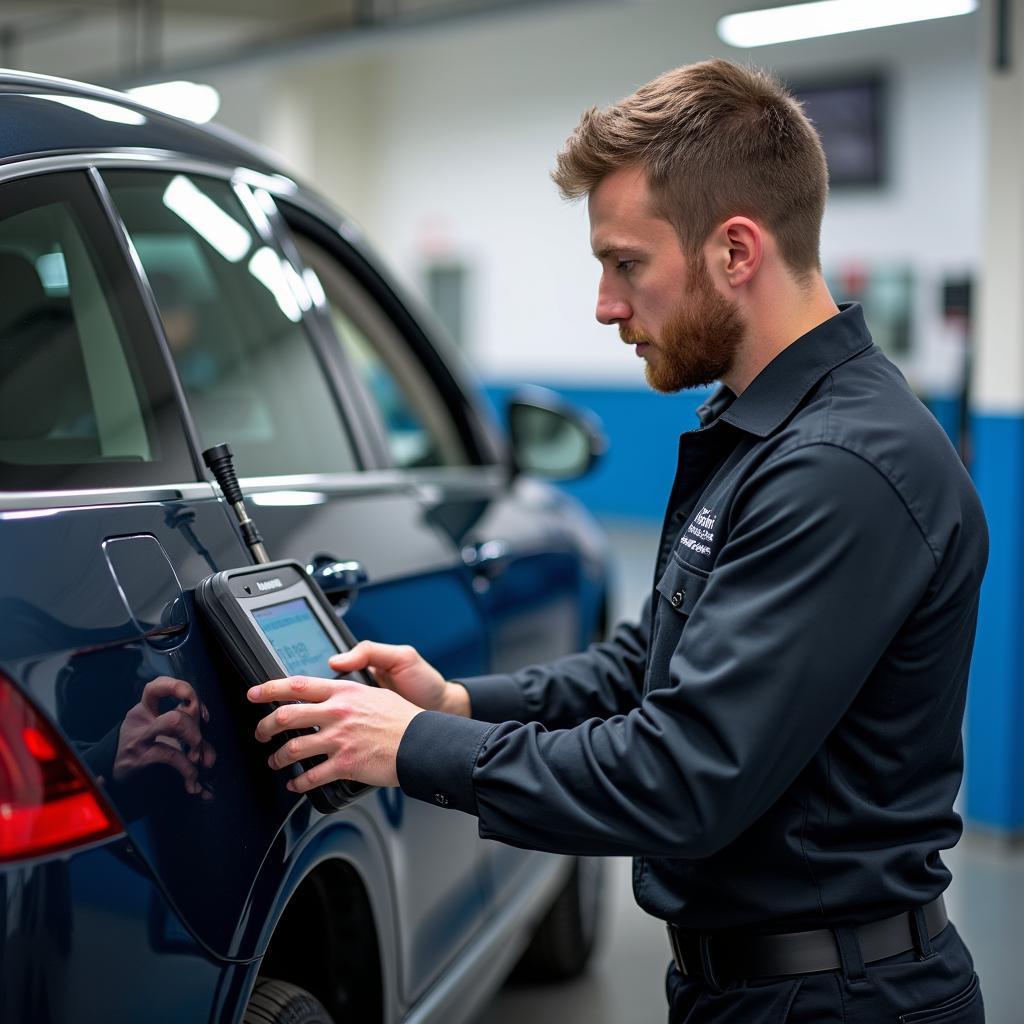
[339, 579]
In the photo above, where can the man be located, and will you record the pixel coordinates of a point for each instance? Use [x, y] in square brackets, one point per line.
[777, 741]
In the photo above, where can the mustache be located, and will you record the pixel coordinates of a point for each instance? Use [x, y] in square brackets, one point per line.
[632, 336]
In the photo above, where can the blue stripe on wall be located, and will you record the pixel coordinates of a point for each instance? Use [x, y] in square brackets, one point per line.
[995, 711]
[946, 409]
[633, 479]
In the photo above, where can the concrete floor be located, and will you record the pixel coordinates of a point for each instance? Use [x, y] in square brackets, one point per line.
[625, 983]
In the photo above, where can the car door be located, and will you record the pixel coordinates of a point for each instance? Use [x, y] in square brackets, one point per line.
[241, 326]
[521, 559]
[106, 527]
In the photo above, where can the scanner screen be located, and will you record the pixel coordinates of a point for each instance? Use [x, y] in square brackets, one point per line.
[297, 638]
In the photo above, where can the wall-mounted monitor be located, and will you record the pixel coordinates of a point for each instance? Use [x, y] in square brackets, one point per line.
[849, 114]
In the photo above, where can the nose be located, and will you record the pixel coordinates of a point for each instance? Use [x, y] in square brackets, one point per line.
[611, 308]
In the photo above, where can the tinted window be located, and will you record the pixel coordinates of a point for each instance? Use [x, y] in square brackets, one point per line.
[84, 398]
[420, 430]
[232, 313]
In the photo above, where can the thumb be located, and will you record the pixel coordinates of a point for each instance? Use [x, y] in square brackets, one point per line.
[349, 661]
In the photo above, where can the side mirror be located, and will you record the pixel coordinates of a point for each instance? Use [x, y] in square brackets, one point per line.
[551, 438]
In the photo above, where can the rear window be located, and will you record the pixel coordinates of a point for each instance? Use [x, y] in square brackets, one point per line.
[84, 399]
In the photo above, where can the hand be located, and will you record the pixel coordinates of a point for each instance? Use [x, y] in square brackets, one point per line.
[404, 670]
[359, 729]
[174, 738]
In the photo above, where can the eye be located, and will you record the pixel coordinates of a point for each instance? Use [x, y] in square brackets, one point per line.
[625, 266]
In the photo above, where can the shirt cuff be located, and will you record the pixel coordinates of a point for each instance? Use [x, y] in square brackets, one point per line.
[496, 699]
[437, 756]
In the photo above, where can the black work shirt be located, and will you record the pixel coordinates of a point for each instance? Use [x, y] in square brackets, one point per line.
[777, 740]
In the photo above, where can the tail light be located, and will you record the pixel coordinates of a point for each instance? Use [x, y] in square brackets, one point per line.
[47, 803]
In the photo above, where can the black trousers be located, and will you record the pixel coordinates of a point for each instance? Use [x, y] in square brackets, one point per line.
[942, 988]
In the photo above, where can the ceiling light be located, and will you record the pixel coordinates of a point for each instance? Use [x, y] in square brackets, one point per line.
[190, 100]
[831, 17]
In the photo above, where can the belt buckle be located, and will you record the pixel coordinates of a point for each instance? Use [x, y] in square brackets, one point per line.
[703, 967]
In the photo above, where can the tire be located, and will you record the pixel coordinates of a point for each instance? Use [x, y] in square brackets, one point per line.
[280, 1002]
[564, 940]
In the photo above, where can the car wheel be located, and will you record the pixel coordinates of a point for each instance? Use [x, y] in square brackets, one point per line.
[565, 939]
[280, 1002]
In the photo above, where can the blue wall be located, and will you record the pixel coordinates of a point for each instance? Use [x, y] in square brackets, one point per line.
[995, 711]
[633, 480]
[947, 411]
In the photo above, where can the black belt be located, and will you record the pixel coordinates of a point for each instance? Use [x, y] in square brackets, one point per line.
[720, 957]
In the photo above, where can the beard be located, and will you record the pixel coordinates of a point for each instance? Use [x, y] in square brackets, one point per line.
[699, 340]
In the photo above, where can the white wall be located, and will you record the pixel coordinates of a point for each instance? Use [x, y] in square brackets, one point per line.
[441, 142]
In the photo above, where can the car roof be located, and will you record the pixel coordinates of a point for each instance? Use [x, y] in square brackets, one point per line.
[44, 116]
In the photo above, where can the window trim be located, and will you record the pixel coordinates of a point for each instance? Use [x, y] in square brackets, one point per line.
[143, 290]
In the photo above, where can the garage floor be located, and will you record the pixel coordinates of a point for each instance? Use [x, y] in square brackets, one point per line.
[625, 982]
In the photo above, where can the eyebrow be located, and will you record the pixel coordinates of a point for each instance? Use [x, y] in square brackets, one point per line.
[614, 247]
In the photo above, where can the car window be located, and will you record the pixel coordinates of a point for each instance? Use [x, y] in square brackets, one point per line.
[82, 402]
[234, 323]
[420, 430]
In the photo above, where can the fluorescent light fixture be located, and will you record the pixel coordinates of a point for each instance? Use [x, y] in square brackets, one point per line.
[98, 108]
[207, 219]
[188, 100]
[831, 17]
[270, 270]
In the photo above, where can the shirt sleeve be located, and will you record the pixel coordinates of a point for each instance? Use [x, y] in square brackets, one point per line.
[822, 564]
[604, 680]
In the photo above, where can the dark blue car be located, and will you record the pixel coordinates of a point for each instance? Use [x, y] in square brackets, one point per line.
[164, 288]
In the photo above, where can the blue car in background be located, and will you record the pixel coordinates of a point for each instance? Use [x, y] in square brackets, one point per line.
[164, 288]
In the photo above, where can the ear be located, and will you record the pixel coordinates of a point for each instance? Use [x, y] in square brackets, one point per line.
[739, 247]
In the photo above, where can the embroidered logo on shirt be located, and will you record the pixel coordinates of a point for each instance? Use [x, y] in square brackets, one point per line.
[700, 534]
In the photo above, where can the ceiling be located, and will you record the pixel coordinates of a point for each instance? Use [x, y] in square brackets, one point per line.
[125, 42]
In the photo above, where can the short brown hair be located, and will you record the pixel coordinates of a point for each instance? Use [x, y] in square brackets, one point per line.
[715, 140]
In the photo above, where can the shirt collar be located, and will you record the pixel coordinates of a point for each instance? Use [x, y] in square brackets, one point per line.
[779, 388]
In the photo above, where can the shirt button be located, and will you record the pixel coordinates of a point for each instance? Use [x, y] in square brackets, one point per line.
[677, 598]
[440, 799]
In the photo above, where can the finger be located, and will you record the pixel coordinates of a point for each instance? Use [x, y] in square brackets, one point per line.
[164, 753]
[177, 724]
[164, 686]
[298, 748]
[318, 775]
[289, 716]
[368, 654]
[307, 688]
